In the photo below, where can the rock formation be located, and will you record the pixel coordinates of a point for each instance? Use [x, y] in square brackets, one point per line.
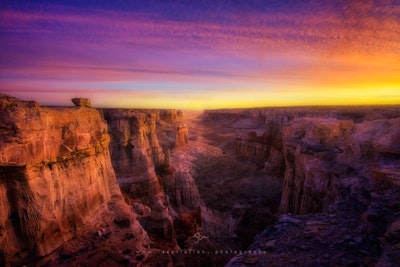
[56, 178]
[313, 149]
[168, 115]
[82, 102]
[182, 136]
[135, 153]
[159, 223]
[320, 153]
[338, 169]
[146, 173]
[342, 164]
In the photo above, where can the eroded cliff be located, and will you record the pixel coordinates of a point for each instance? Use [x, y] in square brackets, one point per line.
[331, 174]
[56, 178]
[320, 153]
[143, 167]
[157, 185]
[135, 153]
[341, 163]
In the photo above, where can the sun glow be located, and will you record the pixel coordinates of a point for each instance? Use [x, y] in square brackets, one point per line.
[215, 59]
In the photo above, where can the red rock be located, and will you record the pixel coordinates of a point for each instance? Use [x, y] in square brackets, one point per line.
[56, 177]
[81, 102]
[182, 136]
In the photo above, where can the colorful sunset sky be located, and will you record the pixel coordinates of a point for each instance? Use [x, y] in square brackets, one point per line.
[201, 54]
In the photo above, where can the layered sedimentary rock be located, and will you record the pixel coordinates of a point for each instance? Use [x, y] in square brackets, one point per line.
[312, 150]
[55, 177]
[182, 136]
[341, 163]
[266, 149]
[144, 170]
[320, 153]
[169, 115]
[135, 153]
[253, 148]
[186, 193]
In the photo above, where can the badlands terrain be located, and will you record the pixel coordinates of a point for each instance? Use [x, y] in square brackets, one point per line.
[317, 186]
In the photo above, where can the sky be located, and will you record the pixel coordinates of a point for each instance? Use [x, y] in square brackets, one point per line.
[201, 54]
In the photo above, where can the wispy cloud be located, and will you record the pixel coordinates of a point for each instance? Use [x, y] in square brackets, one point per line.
[307, 44]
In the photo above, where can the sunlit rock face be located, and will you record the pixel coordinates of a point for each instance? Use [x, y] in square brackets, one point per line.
[182, 136]
[82, 102]
[55, 176]
[169, 115]
[135, 153]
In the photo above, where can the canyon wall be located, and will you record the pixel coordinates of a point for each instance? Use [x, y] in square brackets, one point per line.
[321, 153]
[154, 183]
[135, 153]
[341, 163]
[56, 177]
[57, 182]
[312, 149]
[142, 166]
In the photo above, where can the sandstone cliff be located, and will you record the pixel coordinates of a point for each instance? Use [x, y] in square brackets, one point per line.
[312, 149]
[156, 186]
[342, 163]
[56, 178]
[338, 170]
[322, 153]
[135, 153]
[182, 136]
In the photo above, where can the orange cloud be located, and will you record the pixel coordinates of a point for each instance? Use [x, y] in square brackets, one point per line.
[334, 54]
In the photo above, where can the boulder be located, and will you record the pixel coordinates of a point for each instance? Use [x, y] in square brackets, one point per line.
[82, 102]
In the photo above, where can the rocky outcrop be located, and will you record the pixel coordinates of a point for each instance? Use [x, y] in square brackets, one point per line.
[56, 177]
[182, 136]
[361, 228]
[82, 102]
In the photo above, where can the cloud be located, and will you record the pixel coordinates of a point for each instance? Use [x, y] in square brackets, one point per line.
[335, 44]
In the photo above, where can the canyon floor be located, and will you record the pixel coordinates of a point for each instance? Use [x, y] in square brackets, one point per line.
[238, 197]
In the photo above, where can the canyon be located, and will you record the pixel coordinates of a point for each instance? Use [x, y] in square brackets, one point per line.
[312, 186]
